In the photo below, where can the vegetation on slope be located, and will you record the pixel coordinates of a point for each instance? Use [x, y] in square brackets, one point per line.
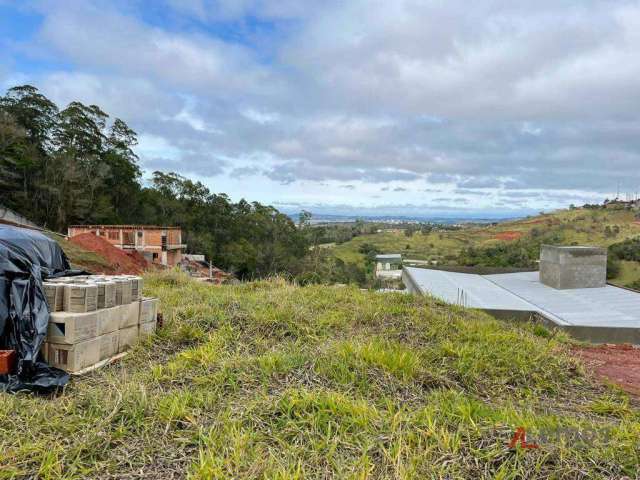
[512, 244]
[271, 380]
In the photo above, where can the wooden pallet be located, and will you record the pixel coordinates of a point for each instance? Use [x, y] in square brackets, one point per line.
[100, 364]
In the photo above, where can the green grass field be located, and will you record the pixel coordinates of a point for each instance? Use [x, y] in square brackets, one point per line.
[270, 380]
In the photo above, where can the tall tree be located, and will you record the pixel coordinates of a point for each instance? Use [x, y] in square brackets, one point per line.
[74, 166]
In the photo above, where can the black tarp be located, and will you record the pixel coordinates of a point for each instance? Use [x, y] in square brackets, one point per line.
[27, 257]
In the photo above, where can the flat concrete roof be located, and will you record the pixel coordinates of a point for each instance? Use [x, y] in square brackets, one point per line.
[590, 307]
[608, 306]
[389, 256]
[466, 289]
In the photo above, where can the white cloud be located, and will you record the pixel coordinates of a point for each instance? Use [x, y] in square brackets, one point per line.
[99, 37]
[262, 118]
[152, 146]
[498, 96]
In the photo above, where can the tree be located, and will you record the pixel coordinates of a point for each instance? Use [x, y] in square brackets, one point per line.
[26, 109]
[74, 166]
[14, 146]
[426, 229]
[613, 267]
[304, 219]
[32, 110]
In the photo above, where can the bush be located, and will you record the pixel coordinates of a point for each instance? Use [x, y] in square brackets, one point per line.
[627, 250]
[613, 267]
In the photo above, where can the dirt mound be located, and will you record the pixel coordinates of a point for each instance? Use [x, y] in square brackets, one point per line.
[619, 364]
[508, 235]
[121, 261]
[138, 259]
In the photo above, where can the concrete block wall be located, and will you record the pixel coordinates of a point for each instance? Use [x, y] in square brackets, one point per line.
[566, 268]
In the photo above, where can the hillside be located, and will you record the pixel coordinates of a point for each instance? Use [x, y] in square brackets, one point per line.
[578, 226]
[270, 380]
[81, 258]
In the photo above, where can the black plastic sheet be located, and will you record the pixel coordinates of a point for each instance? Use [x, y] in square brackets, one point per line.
[27, 257]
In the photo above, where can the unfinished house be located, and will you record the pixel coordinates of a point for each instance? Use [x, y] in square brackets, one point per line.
[160, 245]
[389, 266]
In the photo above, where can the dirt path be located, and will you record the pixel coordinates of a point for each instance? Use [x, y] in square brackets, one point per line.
[619, 364]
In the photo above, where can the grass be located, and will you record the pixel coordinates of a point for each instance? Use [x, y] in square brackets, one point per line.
[270, 380]
[629, 273]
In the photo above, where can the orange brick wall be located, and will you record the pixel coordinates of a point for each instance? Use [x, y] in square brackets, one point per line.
[80, 230]
[174, 257]
[151, 237]
[174, 237]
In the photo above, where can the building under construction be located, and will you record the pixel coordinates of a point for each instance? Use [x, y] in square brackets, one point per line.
[159, 245]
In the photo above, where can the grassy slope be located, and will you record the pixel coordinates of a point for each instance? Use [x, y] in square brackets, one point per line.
[274, 381]
[579, 226]
[629, 272]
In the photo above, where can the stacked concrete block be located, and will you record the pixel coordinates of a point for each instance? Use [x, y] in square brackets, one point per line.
[123, 290]
[129, 314]
[137, 286]
[148, 309]
[55, 295]
[128, 337]
[109, 345]
[148, 316]
[80, 297]
[72, 327]
[108, 320]
[106, 293]
[95, 317]
[73, 358]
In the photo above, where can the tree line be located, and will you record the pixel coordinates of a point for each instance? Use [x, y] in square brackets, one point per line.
[75, 165]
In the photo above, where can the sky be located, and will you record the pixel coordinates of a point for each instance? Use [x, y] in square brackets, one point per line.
[365, 106]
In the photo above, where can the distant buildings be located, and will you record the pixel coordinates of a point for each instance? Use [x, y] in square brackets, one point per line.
[160, 245]
[198, 267]
[389, 266]
[617, 204]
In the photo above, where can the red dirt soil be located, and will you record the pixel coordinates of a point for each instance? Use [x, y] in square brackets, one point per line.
[121, 261]
[619, 364]
[508, 235]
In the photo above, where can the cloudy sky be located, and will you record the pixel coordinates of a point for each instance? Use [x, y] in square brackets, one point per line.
[390, 106]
